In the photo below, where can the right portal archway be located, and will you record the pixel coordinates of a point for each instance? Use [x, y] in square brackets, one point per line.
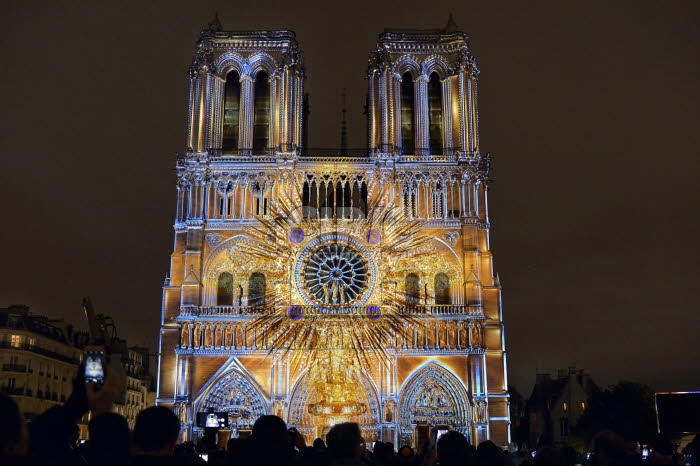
[433, 397]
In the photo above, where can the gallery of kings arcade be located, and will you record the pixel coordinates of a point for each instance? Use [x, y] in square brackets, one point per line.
[341, 285]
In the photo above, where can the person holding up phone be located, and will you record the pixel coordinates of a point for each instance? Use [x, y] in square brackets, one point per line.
[53, 434]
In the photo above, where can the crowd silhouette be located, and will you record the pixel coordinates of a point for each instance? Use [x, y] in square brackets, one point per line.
[52, 440]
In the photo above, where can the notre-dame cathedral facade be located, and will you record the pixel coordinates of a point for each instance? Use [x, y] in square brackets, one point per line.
[245, 152]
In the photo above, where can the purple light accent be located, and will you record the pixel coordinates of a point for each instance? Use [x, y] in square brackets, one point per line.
[296, 235]
[373, 312]
[374, 237]
[295, 312]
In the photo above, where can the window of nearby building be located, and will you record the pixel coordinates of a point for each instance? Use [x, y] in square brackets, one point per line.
[565, 406]
[16, 341]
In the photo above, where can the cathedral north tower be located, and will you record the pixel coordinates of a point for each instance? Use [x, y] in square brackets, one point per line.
[334, 286]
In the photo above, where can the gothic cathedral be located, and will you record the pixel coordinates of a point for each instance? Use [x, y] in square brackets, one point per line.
[331, 286]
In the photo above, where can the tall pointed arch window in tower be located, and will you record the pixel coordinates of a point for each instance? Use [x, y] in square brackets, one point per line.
[435, 114]
[256, 289]
[232, 108]
[408, 135]
[412, 289]
[442, 289]
[224, 290]
[261, 113]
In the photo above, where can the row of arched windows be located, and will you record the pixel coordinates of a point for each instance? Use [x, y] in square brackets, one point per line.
[230, 294]
[441, 287]
[344, 199]
[232, 112]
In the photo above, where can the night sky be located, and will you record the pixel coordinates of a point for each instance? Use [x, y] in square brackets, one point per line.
[591, 111]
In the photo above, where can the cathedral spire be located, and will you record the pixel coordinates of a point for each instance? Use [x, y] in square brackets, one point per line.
[215, 24]
[451, 26]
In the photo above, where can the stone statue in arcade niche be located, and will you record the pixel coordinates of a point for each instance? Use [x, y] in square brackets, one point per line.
[185, 335]
[244, 298]
[480, 412]
[279, 408]
[237, 290]
[197, 340]
[476, 335]
[388, 412]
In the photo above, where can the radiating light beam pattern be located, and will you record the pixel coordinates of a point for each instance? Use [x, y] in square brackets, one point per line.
[335, 275]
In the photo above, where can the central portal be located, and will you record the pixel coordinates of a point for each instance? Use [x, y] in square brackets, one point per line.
[314, 412]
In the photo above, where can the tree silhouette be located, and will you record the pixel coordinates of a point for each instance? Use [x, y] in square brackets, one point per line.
[626, 408]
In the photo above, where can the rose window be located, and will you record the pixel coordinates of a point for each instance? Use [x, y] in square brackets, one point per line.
[334, 274]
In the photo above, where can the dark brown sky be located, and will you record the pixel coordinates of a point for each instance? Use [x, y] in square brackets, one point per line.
[590, 109]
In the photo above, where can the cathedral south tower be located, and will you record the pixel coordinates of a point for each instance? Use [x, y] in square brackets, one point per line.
[334, 286]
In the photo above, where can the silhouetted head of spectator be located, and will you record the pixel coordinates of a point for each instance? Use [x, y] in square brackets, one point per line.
[296, 440]
[406, 455]
[549, 456]
[269, 441]
[271, 431]
[110, 438]
[377, 447]
[238, 451]
[344, 440]
[383, 453]
[489, 454]
[156, 431]
[308, 456]
[453, 449]
[51, 436]
[319, 444]
[13, 429]
[608, 448]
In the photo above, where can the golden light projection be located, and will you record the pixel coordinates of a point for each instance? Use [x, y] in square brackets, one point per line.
[332, 285]
[352, 313]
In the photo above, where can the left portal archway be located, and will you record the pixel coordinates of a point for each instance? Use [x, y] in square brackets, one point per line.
[237, 395]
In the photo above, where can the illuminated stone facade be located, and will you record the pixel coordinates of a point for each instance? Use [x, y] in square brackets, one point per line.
[245, 161]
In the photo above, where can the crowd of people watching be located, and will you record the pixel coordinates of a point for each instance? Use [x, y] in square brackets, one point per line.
[52, 439]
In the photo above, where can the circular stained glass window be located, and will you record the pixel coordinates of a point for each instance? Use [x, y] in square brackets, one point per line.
[335, 274]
